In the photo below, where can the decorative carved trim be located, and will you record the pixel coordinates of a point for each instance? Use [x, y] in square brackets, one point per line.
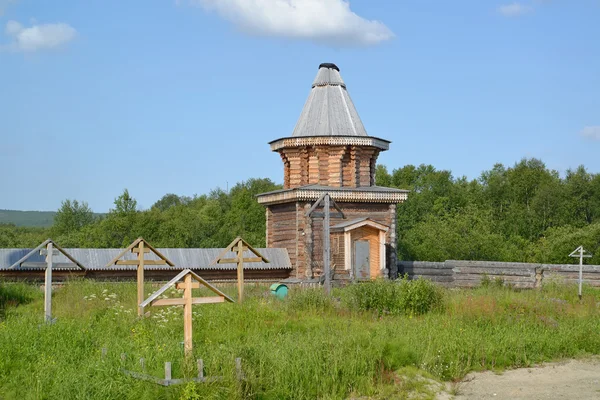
[337, 195]
[330, 141]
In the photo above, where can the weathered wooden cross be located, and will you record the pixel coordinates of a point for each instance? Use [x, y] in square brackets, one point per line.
[581, 254]
[239, 246]
[49, 249]
[141, 247]
[326, 201]
[188, 277]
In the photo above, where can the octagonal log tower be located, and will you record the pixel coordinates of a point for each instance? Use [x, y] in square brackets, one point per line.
[330, 152]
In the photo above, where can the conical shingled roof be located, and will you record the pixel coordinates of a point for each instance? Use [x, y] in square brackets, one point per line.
[329, 110]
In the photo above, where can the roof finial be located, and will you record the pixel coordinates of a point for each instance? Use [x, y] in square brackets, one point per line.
[330, 66]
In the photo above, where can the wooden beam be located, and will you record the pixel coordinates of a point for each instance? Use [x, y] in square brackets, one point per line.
[137, 250]
[319, 214]
[169, 302]
[240, 271]
[44, 252]
[181, 301]
[227, 261]
[235, 260]
[48, 285]
[140, 278]
[314, 206]
[187, 315]
[137, 262]
[121, 254]
[181, 285]
[208, 300]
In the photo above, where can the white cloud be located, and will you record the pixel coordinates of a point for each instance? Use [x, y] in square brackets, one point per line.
[514, 9]
[591, 132]
[325, 21]
[38, 37]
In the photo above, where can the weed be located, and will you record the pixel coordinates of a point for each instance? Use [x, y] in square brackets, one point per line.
[308, 346]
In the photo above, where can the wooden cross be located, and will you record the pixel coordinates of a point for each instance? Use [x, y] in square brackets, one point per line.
[49, 249]
[239, 246]
[326, 201]
[190, 281]
[141, 247]
[581, 254]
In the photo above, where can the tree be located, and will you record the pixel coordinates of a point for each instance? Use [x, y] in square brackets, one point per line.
[71, 217]
[125, 204]
[170, 200]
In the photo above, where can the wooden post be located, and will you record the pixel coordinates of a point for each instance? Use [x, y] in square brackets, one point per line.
[240, 271]
[200, 370]
[48, 284]
[187, 315]
[140, 279]
[326, 247]
[580, 270]
[238, 369]
[167, 371]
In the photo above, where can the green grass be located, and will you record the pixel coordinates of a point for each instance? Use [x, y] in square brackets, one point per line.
[305, 347]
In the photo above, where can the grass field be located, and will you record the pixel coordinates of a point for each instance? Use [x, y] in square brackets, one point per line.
[368, 340]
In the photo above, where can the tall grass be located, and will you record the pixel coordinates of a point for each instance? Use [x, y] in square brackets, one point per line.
[401, 297]
[304, 347]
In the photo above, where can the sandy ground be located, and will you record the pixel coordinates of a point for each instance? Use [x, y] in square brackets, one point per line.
[575, 379]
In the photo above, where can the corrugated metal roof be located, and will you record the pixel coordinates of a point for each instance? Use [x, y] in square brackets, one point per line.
[96, 259]
[329, 110]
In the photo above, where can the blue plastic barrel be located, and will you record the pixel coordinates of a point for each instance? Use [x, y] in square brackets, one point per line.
[279, 290]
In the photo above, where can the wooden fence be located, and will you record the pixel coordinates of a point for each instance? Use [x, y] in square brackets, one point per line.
[454, 273]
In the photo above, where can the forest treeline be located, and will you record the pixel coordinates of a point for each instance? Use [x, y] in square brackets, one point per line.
[524, 213]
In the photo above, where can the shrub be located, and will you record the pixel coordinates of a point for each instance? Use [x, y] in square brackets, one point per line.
[486, 282]
[404, 296]
[309, 300]
[14, 294]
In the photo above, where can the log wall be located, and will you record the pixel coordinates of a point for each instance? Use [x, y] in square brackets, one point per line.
[467, 274]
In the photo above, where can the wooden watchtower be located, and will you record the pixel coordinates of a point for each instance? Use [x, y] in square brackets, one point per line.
[330, 152]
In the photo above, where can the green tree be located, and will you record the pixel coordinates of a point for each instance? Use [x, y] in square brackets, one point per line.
[71, 217]
[124, 204]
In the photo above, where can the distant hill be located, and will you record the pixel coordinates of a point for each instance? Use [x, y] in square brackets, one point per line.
[38, 219]
[27, 218]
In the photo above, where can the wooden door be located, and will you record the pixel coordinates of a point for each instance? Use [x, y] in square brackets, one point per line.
[362, 260]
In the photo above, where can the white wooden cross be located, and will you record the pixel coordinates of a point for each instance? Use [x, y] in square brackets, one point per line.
[49, 249]
[581, 254]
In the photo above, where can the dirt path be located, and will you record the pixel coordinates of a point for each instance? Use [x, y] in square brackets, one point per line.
[564, 380]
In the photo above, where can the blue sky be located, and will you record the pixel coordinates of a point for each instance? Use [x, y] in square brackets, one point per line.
[183, 96]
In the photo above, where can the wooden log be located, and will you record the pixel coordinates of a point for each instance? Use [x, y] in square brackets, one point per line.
[48, 285]
[167, 371]
[140, 278]
[200, 369]
[493, 271]
[187, 315]
[506, 278]
[572, 275]
[240, 271]
[594, 269]
[426, 271]
[181, 285]
[433, 278]
[183, 301]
